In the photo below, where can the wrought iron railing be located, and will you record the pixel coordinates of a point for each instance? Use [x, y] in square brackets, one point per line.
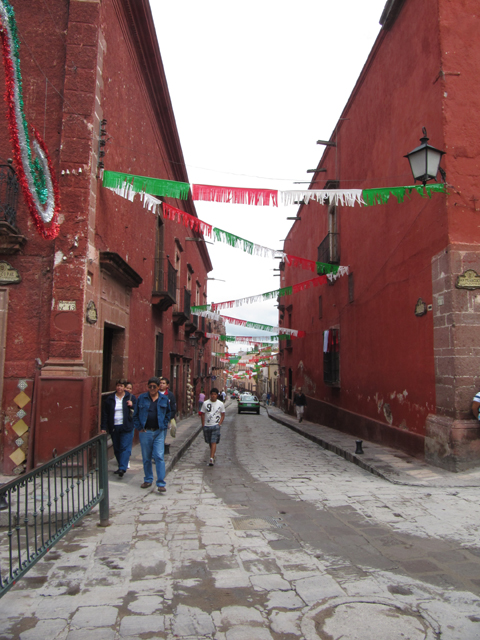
[186, 303]
[194, 322]
[39, 508]
[329, 249]
[8, 194]
[331, 360]
[165, 279]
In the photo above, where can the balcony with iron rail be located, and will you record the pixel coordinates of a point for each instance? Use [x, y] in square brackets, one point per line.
[329, 250]
[164, 293]
[182, 314]
[11, 240]
[192, 324]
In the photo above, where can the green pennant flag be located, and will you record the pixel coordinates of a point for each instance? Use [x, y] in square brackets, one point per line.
[323, 268]
[232, 240]
[381, 196]
[153, 186]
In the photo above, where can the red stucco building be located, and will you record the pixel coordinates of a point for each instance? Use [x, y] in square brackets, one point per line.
[110, 296]
[398, 377]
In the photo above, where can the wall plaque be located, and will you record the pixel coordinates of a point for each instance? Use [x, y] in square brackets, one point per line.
[8, 275]
[92, 315]
[67, 305]
[468, 280]
[420, 308]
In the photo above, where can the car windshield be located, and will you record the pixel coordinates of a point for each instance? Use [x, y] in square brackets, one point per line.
[247, 397]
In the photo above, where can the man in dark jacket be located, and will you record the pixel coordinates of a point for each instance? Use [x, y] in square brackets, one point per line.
[151, 418]
[117, 420]
[300, 402]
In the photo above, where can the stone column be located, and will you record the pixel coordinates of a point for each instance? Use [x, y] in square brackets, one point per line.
[452, 434]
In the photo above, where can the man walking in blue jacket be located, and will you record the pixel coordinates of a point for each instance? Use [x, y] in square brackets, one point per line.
[151, 418]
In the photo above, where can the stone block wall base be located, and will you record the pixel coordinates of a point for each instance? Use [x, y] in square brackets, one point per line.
[64, 367]
[363, 427]
[452, 444]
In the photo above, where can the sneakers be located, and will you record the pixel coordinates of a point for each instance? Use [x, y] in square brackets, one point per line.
[121, 474]
[145, 485]
[212, 462]
[162, 489]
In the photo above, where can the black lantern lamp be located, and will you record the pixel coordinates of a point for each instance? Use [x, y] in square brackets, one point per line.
[424, 160]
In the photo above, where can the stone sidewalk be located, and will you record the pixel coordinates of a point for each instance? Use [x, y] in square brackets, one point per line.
[387, 463]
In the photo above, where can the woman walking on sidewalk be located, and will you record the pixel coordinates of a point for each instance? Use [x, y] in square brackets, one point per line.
[300, 402]
[117, 420]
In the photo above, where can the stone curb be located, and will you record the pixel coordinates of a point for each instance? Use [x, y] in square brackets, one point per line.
[343, 453]
[378, 460]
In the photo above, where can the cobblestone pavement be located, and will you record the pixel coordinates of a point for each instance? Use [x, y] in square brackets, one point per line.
[280, 540]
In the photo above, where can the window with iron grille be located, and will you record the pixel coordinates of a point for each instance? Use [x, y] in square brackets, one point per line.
[331, 359]
[159, 280]
[159, 355]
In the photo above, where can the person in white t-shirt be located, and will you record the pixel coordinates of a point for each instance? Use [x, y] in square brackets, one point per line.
[212, 413]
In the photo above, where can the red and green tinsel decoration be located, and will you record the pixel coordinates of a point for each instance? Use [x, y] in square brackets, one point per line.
[35, 174]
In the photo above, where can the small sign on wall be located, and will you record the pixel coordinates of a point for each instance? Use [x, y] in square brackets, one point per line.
[92, 315]
[8, 275]
[468, 280]
[67, 305]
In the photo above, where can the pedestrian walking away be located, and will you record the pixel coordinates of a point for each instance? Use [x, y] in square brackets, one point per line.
[213, 414]
[117, 420]
[300, 402]
[201, 400]
[151, 418]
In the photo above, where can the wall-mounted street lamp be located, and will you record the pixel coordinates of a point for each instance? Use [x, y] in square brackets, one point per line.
[424, 160]
[193, 340]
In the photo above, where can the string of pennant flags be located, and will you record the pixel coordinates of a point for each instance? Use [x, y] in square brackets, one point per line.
[269, 295]
[151, 189]
[246, 323]
[130, 184]
[219, 235]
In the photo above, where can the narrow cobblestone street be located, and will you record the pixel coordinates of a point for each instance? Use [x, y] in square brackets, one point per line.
[279, 540]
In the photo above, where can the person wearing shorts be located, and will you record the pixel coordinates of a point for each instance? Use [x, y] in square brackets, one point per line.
[213, 414]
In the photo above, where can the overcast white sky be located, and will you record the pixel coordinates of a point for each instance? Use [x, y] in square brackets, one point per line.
[254, 85]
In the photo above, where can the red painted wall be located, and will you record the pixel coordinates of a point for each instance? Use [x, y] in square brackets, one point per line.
[386, 352]
[96, 68]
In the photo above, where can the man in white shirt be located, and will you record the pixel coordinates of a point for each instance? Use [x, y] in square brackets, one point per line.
[476, 406]
[213, 414]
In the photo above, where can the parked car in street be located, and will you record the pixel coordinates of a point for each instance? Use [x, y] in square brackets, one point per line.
[247, 402]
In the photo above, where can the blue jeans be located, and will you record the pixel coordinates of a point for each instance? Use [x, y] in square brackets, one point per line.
[153, 446]
[122, 447]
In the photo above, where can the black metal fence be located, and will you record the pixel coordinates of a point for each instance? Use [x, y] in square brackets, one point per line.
[39, 508]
